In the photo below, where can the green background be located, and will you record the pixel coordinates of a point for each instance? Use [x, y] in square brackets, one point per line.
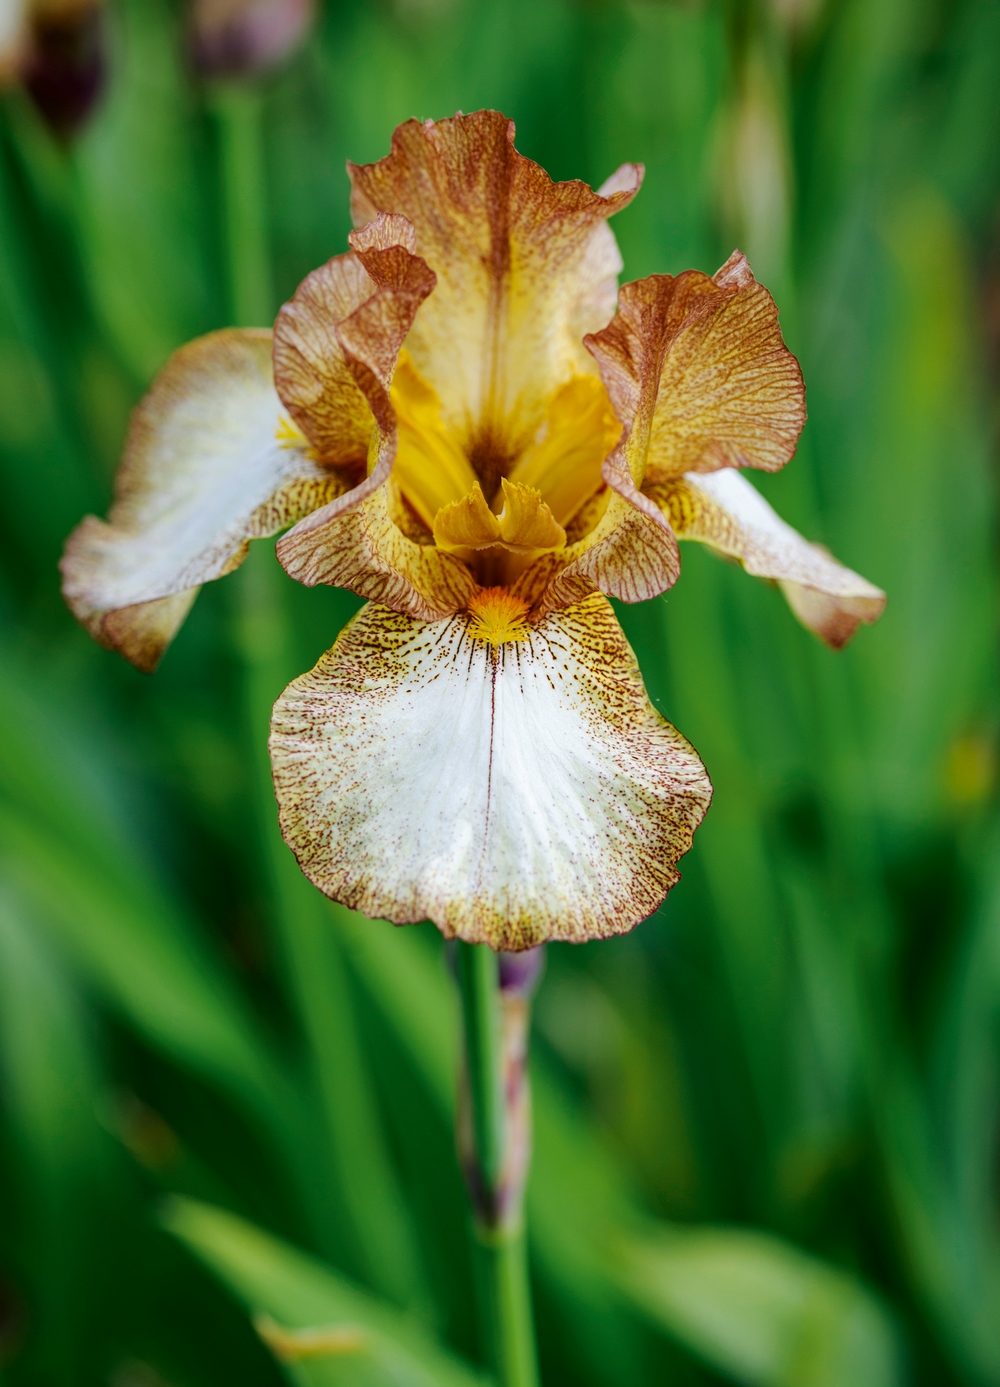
[767, 1139]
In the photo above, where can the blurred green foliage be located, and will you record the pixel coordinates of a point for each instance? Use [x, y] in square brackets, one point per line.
[766, 1122]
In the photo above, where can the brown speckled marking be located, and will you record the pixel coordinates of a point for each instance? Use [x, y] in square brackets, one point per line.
[511, 795]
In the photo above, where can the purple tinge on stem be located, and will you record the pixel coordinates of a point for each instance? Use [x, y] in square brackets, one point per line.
[520, 972]
[500, 1209]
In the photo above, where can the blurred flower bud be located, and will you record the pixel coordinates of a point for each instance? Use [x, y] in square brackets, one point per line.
[797, 17]
[13, 39]
[755, 168]
[64, 65]
[242, 38]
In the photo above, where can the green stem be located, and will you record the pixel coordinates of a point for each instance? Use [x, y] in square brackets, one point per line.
[479, 983]
[504, 1292]
[244, 196]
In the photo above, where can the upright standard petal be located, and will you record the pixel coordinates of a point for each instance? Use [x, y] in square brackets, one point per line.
[525, 268]
[210, 463]
[354, 542]
[697, 371]
[511, 793]
[723, 510]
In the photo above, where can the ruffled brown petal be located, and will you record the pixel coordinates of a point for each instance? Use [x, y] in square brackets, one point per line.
[525, 268]
[511, 793]
[696, 366]
[630, 553]
[310, 370]
[354, 542]
[209, 464]
[723, 510]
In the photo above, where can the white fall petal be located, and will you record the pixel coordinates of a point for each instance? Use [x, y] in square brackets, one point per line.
[724, 510]
[510, 794]
[204, 472]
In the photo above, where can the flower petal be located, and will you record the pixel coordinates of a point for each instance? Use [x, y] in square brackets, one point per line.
[511, 794]
[564, 461]
[310, 370]
[723, 510]
[354, 542]
[630, 553]
[526, 523]
[525, 267]
[466, 524]
[206, 468]
[697, 369]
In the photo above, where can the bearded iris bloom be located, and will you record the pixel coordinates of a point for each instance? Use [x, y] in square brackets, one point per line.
[462, 421]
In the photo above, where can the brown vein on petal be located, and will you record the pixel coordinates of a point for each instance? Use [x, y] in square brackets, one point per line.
[525, 266]
[697, 366]
[363, 549]
[354, 542]
[310, 370]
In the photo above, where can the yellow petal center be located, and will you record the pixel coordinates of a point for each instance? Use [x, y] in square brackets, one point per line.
[498, 617]
[430, 468]
[549, 484]
[525, 525]
[564, 462]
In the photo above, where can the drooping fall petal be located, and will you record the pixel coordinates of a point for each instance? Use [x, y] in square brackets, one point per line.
[525, 268]
[723, 510]
[354, 542]
[510, 793]
[698, 373]
[207, 467]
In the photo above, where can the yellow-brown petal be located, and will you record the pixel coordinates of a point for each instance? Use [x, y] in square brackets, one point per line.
[723, 510]
[697, 369]
[354, 542]
[207, 467]
[510, 793]
[310, 369]
[525, 268]
[631, 553]
[363, 549]
[526, 523]
[466, 524]
[429, 468]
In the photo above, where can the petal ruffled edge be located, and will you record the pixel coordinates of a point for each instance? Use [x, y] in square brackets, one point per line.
[723, 510]
[511, 794]
[204, 471]
[354, 542]
[697, 367]
[526, 266]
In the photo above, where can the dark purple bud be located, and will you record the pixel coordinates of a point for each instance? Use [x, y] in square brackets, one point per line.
[243, 38]
[66, 63]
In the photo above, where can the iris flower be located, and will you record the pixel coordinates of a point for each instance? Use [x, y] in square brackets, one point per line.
[458, 424]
